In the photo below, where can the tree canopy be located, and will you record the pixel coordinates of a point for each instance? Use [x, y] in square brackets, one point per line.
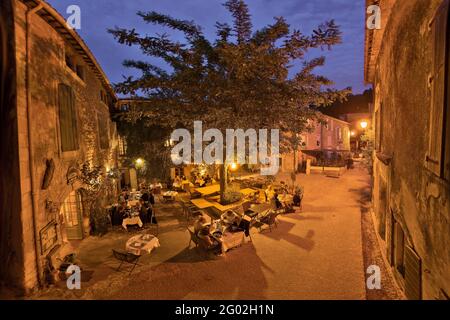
[244, 78]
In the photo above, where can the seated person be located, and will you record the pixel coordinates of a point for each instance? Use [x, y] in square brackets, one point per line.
[143, 212]
[278, 204]
[209, 242]
[231, 217]
[199, 224]
[145, 196]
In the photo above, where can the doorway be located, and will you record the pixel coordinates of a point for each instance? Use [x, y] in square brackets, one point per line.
[72, 211]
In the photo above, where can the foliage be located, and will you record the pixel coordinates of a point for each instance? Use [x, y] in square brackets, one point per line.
[368, 140]
[98, 189]
[244, 78]
[241, 78]
[231, 197]
[147, 141]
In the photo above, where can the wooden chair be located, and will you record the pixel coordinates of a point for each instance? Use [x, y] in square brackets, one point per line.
[126, 257]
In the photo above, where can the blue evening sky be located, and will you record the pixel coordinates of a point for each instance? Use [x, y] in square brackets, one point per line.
[344, 64]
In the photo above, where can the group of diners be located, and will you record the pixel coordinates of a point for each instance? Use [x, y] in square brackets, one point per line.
[196, 180]
[215, 233]
[134, 205]
[281, 198]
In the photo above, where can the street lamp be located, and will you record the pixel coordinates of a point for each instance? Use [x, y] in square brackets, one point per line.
[233, 166]
[364, 124]
[139, 162]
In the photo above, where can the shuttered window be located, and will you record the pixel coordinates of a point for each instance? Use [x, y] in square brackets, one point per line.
[438, 81]
[413, 274]
[67, 118]
[103, 131]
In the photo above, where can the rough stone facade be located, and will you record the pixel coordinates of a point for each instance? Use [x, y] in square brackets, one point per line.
[22, 226]
[411, 203]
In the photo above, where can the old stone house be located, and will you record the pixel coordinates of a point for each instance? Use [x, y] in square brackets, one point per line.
[332, 136]
[408, 63]
[55, 117]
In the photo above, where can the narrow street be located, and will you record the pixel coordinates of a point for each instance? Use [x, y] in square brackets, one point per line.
[316, 254]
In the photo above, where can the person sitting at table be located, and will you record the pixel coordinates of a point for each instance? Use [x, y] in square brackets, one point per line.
[298, 196]
[199, 224]
[268, 193]
[209, 241]
[145, 196]
[276, 202]
[143, 215]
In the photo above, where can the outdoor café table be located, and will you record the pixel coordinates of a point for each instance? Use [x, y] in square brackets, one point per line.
[170, 195]
[201, 203]
[230, 240]
[260, 209]
[142, 243]
[132, 203]
[132, 221]
[206, 191]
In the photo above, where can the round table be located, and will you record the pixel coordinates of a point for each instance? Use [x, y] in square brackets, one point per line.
[142, 243]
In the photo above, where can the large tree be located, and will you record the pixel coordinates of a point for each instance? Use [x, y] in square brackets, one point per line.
[243, 79]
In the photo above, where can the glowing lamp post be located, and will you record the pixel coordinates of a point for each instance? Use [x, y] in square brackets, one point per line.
[364, 124]
[139, 162]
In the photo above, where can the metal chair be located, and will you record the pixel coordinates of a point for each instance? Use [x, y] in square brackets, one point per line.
[193, 238]
[126, 257]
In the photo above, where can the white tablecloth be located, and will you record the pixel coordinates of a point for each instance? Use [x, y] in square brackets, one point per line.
[232, 240]
[132, 221]
[142, 243]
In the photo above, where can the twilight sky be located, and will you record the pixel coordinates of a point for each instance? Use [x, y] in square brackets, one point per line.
[344, 64]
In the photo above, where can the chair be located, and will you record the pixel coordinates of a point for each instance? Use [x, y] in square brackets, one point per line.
[189, 210]
[153, 221]
[270, 219]
[126, 257]
[193, 238]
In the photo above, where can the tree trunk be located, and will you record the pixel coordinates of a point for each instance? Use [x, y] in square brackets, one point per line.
[223, 181]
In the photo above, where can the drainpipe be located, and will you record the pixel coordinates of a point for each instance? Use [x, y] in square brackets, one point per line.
[34, 190]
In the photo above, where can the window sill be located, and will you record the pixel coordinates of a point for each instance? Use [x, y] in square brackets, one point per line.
[75, 76]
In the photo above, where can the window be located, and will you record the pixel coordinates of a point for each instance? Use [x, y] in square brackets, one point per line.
[103, 131]
[70, 62]
[399, 249]
[437, 158]
[122, 146]
[67, 118]
[80, 72]
[378, 128]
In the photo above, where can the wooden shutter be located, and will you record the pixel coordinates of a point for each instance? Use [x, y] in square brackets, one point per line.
[439, 44]
[67, 118]
[413, 275]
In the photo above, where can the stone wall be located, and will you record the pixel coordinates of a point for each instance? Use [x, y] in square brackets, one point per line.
[11, 266]
[48, 69]
[418, 199]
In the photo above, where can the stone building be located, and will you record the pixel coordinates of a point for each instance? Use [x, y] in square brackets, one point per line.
[55, 117]
[407, 61]
[332, 136]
